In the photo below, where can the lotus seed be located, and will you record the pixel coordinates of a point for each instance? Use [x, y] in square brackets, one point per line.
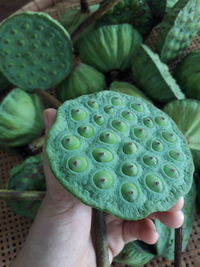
[93, 104]
[161, 121]
[148, 122]
[129, 192]
[140, 133]
[138, 107]
[176, 155]
[109, 109]
[130, 169]
[102, 155]
[25, 26]
[86, 131]
[78, 114]
[116, 101]
[170, 171]
[78, 164]
[157, 146]
[21, 42]
[99, 119]
[127, 115]
[103, 180]
[150, 161]
[169, 137]
[129, 148]
[70, 142]
[119, 125]
[108, 137]
[154, 183]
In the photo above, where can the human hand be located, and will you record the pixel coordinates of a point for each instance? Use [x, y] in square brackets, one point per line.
[61, 233]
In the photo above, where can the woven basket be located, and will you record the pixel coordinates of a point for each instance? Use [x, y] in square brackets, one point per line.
[14, 229]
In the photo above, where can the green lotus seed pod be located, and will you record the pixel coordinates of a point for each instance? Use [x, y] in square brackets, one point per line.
[27, 176]
[95, 50]
[40, 52]
[161, 121]
[137, 107]
[153, 76]
[128, 115]
[70, 142]
[86, 131]
[116, 101]
[21, 118]
[109, 109]
[3, 82]
[103, 180]
[166, 242]
[185, 113]
[78, 114]
[176, 155]
[112, 170]
[135, 12]
[82, 81]
[188, 76]
[148, 122]
[93, 104]
[178, 29]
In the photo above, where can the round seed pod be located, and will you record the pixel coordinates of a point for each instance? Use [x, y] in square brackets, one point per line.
[153, 76]
[82, 81]
[120, 173]
[186, 115]
[27, 176]
[187, 75]
[137, 13]
[42, 54]
[177, 30]
[96, 49]
[21, 118]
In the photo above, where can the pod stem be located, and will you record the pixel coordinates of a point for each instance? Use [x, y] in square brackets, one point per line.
[84, 6]
[36, 146]
[49, 98]
[93, 17]
[178, 247]
[21, 195]
[100, 238]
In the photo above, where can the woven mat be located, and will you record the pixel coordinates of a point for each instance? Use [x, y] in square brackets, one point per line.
[14, 229]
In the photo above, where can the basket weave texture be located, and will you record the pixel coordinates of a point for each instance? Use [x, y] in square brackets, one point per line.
[14, 229]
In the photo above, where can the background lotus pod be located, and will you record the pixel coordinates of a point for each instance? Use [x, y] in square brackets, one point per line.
[178, 28]
[83, 80]
[3, 82]
[153, 76]
[134, 12]
[185, 113]
[112, 151]
[127, 88]
[28, 176]
[187, 74]
[21, 118]
[105, 49]
[134, 254]
[166, 241]
[35, 50]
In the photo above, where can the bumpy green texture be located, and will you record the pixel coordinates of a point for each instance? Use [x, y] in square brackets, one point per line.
[136, 178]
[21, 118]
[28, 176]
[82, 81]
[106, 50]
[178, 29]
[170, 4]
[185, 113]
[153, 76]
[134, 254]
[187, 74]
[127, 88]
[3, 82]
[166, 241]
[134, 12]
[35, 51]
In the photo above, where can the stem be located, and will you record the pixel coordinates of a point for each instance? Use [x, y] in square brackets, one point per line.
[21, 195]
[36, 145]
[178, 247]
[50, 99]
[100, 236]
[93, 17]
[84, 6]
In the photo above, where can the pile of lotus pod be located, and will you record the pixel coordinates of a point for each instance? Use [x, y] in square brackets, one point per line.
[93, 49]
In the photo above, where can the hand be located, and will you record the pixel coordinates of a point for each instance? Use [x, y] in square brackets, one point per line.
[61, 233]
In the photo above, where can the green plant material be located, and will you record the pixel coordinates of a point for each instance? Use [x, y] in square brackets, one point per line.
[153, 76]
[35, 51]
[135, 12]
[21, 118]
[170, 4]
[27, 176]
[185, 113]
[178, 28]
[3, 82]
[127, 88]
[83, 80]
[166, 241]
[106, 50]
[116, 168]
[72, 18]
[188, 76]
[134, 253]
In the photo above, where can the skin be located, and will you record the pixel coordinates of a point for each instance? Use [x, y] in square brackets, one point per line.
[60, 235]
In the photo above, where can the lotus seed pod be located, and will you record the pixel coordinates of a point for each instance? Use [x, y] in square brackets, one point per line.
[35, 51]
[3, 82]
[166, 241]
[153, 76]
[21, 118]
[135, 12]
[127, 88]
[178, 29]
[185, 113]
[187, 75]
[83, 80]
[27, 176]
[117, 163]
[96, 49]
[134, 253]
